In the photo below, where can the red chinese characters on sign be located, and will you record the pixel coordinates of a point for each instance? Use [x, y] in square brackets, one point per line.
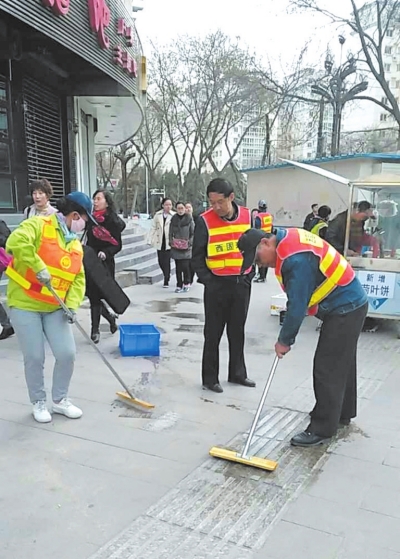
[125, 31]
[125, 61]
[58, 7]
[99, 19]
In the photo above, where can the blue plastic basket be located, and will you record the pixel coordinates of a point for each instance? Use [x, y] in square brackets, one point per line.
[139, 340]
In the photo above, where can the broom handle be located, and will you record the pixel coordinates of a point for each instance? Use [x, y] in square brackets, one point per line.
[259, 409]
[87, 337]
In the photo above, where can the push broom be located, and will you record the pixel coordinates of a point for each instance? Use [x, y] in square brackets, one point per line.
[126, 396]
[244, 457]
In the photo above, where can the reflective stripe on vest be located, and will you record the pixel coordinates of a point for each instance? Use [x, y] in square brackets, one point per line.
[317, 228]
[63, 266]
[332, 265]
[223, 256]
[266, 221]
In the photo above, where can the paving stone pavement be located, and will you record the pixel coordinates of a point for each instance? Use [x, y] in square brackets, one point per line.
[124, 484]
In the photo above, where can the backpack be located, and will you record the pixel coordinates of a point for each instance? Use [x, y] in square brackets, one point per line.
[4, 233]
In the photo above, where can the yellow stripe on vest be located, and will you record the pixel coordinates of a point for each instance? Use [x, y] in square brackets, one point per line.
[49, 231]
[15, 276]
[229, 229]
[227, 263]
[327, 260]
[61, 274]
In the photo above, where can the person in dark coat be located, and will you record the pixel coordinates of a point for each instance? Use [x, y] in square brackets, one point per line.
[310, 217]
[105, 239]
[181, 232]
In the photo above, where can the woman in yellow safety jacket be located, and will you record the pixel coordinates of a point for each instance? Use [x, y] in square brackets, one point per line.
[43, 250]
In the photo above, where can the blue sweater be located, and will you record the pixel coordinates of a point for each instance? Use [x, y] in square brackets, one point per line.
[301, 276]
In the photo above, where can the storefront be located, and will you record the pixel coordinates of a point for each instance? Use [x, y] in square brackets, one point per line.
[70, 75]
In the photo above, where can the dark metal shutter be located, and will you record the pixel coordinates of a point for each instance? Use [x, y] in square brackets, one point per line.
[43, 133]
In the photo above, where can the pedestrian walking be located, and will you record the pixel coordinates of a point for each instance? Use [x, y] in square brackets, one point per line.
[159, 238]
[310, 217]
[218, 263]
[181, 231]
[318, 281]
[41, 192]
[262, 219]
[7, 329]
[105, 238]
[47, 249]
[189, 210]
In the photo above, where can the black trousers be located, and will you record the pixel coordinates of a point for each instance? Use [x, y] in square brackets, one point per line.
[335, 371]
[262, 273]
[226, 303]
[192, 272]
[182, 272]
[164, 261]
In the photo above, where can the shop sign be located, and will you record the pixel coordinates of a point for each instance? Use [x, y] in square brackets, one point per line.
[378, 284]
[100, 20]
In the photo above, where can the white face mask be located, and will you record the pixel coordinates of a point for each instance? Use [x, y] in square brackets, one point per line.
[78, 225]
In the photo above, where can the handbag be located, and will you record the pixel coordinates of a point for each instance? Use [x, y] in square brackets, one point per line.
[5, 260]
[180, 244]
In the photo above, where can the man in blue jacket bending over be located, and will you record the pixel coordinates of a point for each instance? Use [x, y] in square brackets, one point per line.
[317, 281]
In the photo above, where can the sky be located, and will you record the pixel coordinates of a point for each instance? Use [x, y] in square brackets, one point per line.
[264, 25]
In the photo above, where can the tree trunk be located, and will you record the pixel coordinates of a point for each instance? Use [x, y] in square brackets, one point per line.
[124, 188]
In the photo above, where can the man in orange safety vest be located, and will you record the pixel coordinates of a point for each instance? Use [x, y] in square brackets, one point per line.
[317, 281]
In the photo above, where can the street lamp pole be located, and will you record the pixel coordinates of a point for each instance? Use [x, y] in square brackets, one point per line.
[337, 95]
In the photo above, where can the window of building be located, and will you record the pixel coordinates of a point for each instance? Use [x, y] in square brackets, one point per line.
[6, 188]
[389, 33]
[387, 67]
[383, 117]
[388, 50]
[384, 100]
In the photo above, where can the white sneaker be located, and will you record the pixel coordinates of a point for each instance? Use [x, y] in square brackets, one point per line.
[40, 412]
[65, 407]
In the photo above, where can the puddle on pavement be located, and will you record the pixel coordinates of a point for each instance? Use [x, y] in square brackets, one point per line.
[187, 315]
[169, 304]
[195, 328]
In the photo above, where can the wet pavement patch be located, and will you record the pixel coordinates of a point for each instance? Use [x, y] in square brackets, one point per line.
[196, 328]
[168, 305]
[187, 315]
[224, 509]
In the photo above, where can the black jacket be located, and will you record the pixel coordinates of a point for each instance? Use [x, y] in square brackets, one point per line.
[115, 225]
[181, 227]
[199, 255]
[4, 233]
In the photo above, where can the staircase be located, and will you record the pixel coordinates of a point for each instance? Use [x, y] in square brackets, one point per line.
[137, 262]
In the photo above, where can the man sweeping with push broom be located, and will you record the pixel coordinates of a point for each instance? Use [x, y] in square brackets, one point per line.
[318, 281]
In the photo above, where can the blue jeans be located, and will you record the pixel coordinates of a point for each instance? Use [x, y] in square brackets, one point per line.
[32, 328]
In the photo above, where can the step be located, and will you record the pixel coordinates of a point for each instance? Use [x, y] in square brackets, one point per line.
[154, 276]
[133, 258]
[143, 267]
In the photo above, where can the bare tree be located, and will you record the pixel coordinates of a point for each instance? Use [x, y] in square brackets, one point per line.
[370, 24]
[125, 153]
[204, 89]
[105, 162]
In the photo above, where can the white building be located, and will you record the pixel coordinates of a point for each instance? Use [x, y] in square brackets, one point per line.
[366, 115]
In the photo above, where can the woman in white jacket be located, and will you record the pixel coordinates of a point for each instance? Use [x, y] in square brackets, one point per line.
[159, 238]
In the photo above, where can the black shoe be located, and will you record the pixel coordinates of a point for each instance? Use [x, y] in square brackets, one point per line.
[305, 438]
[6, 333]
[243, 381]
[95, 337]
[113, 326]
[214, 387]
[344, 422]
